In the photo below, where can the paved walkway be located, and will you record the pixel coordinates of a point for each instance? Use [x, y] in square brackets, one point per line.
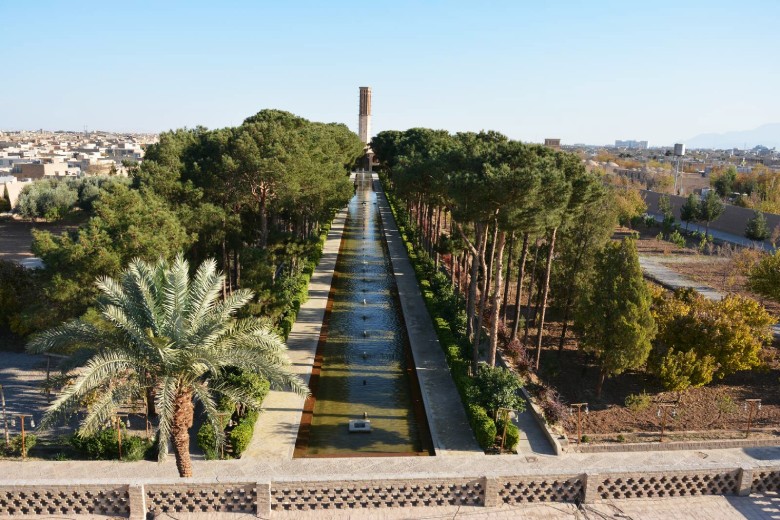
[450, 430]
[671, 279]
[533, 441]
[277, 427]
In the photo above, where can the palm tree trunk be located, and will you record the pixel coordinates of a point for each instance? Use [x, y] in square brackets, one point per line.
[519, 295]
[180, 431]
[544, 297]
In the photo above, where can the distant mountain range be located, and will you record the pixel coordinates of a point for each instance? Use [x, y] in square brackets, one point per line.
[766, 135]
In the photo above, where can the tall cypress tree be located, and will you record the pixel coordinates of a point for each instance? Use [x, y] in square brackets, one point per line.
[614, 317]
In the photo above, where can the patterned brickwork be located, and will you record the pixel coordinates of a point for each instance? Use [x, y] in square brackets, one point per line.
[201, 498]
[64, 500]
[305, 496]
[653, 485]
[765, 480]
[540, 489]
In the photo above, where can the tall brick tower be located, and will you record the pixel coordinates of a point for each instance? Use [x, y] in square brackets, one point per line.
[364, 124]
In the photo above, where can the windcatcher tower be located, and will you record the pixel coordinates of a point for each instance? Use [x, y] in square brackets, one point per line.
[364, 123]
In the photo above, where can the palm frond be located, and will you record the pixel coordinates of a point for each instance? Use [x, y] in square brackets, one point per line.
[203, 394]
[70, 335]
[165, 403]
[100, 370]
[104, 409]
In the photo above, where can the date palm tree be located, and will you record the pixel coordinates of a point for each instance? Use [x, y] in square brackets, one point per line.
[171, 336]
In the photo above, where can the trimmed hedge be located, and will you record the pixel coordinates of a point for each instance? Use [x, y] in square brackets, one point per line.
[449, 320]
[241, 435]
[302, 291]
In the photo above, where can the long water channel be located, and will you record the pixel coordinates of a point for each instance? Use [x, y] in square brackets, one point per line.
[363, 368]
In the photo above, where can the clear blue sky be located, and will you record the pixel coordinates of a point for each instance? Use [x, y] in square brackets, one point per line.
[584, 71]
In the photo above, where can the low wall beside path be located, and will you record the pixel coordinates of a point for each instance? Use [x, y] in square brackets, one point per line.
[733, 220]
[267, 499]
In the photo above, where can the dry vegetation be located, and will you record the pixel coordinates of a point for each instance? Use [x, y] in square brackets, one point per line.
[711, 412]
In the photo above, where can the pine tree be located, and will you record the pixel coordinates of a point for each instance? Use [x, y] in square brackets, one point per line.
[757, 228]
[689, 212]
[614, 318]
[710, 208]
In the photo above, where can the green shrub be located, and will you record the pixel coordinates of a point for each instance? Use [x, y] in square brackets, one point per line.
[104, 445]
[30, 440]
[621, 438]
[241, 435]
[484, 427]
[586, 439]
[512, 435]
[677, 239]
[101, 445]
[638, 402]
[497, 387]
[134, 448]
[207, 441]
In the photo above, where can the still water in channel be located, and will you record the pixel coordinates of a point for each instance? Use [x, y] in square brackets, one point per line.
[364, 357]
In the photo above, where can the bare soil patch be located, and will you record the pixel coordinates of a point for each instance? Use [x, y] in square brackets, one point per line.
[16, 236]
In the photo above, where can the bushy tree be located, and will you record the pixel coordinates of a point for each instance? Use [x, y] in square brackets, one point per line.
[764, 276]
[689, 212]
[614, 317]
[757, 228]
[723, 336]
[5, 200]
[49, 199]
[497, 387]
[710, 209]
[172, 335]
[681, 370]
[629, 204]
[127, 224]
[724, 182]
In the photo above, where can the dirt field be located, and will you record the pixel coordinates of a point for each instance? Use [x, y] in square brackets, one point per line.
[16, 237]
[714, 411]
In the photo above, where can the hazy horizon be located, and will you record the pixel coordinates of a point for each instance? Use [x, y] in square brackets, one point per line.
[582, 72]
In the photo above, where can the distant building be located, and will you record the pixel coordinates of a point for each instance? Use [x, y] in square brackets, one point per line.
[13, 187]
[631, 144]
[553, 143]
[39, 171]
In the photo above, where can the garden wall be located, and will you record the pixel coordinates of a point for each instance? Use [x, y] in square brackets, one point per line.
[275, 498]
[733, 220]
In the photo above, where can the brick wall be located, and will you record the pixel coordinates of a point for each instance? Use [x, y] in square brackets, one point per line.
[733, 220]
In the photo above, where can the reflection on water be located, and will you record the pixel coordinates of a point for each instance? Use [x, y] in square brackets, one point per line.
[364, 356]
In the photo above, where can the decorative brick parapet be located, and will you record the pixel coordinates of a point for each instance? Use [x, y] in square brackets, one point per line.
[110, 500]
[764, 479]
[347, 495]
[267, 499]
[667, 484]
[533, 488]
[201, 498]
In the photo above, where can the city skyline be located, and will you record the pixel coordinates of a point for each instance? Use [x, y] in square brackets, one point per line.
[584, 73]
